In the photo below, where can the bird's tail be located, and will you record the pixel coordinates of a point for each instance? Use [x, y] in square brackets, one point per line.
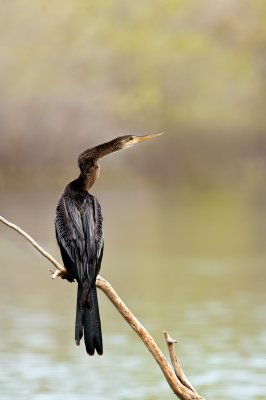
[88, 321]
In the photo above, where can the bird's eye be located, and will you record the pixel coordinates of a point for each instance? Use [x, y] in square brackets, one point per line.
[131, 137]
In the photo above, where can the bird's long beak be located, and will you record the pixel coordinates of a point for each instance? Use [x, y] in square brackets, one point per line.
[147, 137]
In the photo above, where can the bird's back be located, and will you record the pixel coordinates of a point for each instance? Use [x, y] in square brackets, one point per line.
[79, 234]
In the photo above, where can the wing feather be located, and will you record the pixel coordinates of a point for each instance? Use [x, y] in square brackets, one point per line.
[80, 237]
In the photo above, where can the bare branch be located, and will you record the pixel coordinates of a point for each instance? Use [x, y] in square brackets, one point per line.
[175, 362]
[179, 386]
[179, 389]
[34, 244]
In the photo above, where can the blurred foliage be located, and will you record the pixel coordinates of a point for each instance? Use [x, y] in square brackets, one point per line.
[77, 72]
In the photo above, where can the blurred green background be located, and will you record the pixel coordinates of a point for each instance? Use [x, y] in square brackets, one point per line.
[184, 214]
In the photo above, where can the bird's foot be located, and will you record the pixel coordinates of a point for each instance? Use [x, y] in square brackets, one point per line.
[61, 274]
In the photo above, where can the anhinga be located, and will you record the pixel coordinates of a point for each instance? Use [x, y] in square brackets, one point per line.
[79, 235]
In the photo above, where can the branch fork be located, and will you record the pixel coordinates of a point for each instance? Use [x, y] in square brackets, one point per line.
[174, 376]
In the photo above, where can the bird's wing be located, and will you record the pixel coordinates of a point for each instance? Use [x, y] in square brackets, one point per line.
[70, 236]
[92, 226]
[99, 234]
[77, 234]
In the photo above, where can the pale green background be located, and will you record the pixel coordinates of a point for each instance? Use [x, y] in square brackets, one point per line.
[184, 215]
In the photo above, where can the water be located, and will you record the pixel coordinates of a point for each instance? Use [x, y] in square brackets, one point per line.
[193, 265]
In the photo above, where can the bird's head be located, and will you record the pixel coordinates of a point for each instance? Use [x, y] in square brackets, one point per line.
[124, 142]
[88, 159]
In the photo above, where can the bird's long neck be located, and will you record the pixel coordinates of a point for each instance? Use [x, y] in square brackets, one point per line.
[85, 180]
[89, 167]
[101, 150]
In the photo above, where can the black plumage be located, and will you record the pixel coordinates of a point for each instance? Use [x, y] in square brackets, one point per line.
[80, 237]
[79, 234]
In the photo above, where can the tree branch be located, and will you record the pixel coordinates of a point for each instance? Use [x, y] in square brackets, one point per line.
[177, 381]
[175, 362]
[34, 244]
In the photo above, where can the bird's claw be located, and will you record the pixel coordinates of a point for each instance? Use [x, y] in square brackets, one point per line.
[62, 275]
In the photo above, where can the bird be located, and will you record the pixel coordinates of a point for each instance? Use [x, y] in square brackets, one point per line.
[79, 234]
